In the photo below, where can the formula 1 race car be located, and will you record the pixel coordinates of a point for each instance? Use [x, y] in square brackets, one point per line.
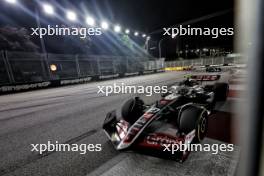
[213, 69]
[179, 117]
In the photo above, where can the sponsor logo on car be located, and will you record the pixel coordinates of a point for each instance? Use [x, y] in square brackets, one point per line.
[158, 139]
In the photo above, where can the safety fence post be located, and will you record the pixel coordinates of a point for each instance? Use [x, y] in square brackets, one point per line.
[77, 65]
[8, 67]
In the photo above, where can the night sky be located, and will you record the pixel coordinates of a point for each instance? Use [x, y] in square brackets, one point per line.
[148, 16]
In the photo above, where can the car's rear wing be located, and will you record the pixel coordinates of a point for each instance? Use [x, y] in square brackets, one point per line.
[205, 77]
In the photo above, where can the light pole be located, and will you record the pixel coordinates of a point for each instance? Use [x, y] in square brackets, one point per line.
[43, 48]
[48, 9]
[160, 42]
[147, 44]
[186, 51]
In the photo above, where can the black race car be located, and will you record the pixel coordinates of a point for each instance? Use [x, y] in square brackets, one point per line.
[213, 69]
[180, 116]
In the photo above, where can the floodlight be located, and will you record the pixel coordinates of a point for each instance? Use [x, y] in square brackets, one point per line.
[117, 28]
[71, 15]
[48, 9]
[104, 25]
[90, 21]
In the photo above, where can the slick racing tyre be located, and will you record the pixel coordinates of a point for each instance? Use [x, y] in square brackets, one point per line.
[221, 91]
[132, 109]
[192, 118]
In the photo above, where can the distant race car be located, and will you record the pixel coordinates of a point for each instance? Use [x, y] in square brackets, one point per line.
[180, 116]
[213, 69]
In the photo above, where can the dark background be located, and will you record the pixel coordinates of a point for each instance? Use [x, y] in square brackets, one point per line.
[145, 16]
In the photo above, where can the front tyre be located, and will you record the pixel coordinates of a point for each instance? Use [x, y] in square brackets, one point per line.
[132, 109]
[194, 118]
[202, 127]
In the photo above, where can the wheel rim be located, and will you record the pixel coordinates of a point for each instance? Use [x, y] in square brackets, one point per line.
[202, 127]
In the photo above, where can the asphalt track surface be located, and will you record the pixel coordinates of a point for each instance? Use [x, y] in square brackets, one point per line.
[74, 115]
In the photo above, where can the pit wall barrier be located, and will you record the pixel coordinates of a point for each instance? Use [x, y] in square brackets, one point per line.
[21, 71]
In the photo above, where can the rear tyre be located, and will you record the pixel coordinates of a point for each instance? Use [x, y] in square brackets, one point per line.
[132, 109]
[194, 118]
[221, 91]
